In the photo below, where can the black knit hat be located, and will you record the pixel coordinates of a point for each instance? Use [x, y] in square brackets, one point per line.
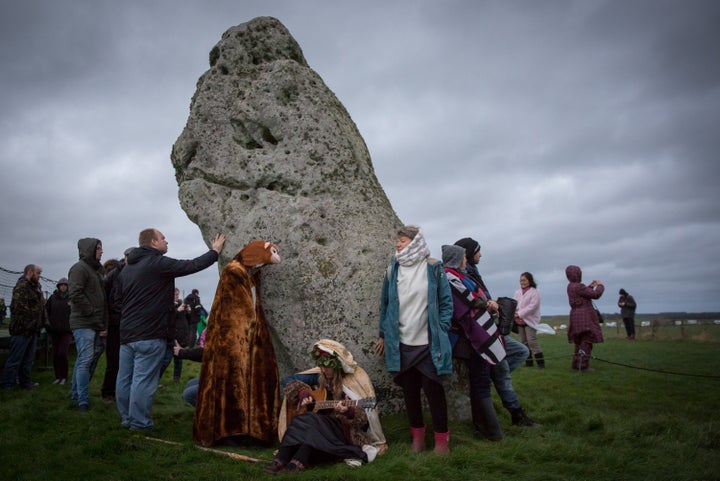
[471, 247]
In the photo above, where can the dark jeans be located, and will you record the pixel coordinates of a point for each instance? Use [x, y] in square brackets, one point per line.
[98, 350]
[60, 345]
[629, 325]
[478, 376]
[177, 364]
[112, 359]
[19, 362]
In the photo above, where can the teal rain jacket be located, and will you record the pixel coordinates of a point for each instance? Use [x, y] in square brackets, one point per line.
[440, 311]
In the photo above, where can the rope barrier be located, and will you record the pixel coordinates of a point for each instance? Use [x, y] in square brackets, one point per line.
[239, 457]
[629, 366]
[661, 371]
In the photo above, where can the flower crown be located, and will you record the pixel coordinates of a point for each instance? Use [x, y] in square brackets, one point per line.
[325, 358]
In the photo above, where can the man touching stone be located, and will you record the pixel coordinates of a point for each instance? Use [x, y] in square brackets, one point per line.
[146, 287]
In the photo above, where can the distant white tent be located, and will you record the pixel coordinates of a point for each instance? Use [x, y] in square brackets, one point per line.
[543, 328]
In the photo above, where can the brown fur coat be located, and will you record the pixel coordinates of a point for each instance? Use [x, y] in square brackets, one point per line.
[238, 391]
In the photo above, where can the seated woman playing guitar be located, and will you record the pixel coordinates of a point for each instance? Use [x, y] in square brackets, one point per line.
[336, 421]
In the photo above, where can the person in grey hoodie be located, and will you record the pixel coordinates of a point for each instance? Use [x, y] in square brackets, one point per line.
[88, 314]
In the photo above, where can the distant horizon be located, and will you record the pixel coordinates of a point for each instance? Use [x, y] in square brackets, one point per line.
[666, 315]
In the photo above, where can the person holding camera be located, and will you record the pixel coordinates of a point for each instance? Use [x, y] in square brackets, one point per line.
[584, 329]
[627, 306]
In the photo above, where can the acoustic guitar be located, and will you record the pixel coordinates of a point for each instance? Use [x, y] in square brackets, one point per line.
[321, 401]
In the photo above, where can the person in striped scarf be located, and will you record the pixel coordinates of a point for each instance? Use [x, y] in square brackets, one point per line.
[515, 351]
[475, 340]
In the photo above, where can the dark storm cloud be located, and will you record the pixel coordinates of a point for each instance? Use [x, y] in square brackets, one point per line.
[553, 132]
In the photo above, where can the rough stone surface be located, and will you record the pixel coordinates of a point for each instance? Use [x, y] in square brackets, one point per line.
[269, 153]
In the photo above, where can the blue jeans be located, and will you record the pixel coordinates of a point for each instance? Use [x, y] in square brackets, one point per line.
[516, 353]
[309, 379]
[137, 381]
[191, 391]
[85, 345]
[19, 362]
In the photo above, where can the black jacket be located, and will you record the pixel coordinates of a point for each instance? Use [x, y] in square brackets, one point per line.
[194, 302]
[114, 302]
[145, 289]
[58, 310]
[628, 310]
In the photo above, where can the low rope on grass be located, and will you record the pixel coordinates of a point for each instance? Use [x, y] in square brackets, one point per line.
[629, 366]
[239, 457]
[661, 371]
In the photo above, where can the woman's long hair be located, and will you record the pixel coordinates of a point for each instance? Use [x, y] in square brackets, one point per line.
[337, 383]
[530, 279]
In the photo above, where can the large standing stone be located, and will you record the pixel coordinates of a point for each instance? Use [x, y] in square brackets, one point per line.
[269, 153]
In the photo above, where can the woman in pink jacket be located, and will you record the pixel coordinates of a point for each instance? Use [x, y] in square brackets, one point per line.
[527, 317]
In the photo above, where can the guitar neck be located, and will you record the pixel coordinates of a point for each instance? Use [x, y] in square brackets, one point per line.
[331, 404]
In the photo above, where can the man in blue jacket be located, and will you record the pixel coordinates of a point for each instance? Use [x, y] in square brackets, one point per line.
[146, 291]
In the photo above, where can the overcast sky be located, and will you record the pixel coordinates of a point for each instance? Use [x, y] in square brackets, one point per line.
[553, 132]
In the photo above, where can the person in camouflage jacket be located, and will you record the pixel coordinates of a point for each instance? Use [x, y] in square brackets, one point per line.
[27, 318]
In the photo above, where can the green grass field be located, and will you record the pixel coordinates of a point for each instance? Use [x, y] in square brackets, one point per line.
[649, 411]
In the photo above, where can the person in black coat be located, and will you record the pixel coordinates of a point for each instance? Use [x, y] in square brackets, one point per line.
[193, 302]
[145, 289]
[627, 312]
[58, 328]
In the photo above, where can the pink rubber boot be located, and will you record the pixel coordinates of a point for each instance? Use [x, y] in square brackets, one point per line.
[418, 439]
[441, 442]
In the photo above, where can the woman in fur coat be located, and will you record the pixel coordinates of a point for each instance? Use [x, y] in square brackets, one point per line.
[238, 393]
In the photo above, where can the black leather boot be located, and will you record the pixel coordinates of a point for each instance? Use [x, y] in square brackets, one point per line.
[519, 418]
[529, 360]
[485, 419]
[540, 360]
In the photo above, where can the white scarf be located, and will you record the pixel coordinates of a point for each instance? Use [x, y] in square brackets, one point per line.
[414, 252]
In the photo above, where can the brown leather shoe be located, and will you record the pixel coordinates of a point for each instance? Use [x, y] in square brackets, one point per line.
[293, 466]
[274, 467]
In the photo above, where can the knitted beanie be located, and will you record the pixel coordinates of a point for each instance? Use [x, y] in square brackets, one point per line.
[471, 247]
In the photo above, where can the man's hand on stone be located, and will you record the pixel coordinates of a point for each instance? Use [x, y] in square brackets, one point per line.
[218, 243]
